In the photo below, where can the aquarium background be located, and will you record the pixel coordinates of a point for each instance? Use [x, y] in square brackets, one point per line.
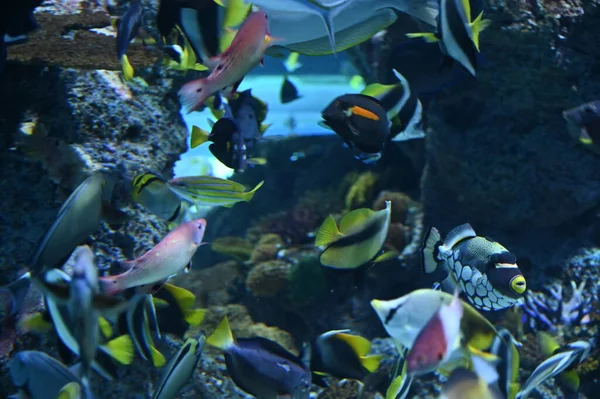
[498, 153]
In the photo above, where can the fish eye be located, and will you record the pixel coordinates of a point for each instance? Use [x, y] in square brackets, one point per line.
[440, 356]
[518, 285]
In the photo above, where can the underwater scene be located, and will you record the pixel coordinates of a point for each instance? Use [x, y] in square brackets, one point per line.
[324, 199]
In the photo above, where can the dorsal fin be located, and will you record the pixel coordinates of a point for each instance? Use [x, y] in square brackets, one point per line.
[458, 234]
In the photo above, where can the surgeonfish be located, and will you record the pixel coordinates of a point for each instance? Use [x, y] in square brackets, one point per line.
[342, 355]
[128, 28]
[169, 257]
[562, 359]
[457, 34]
[483, 269]
[40, 376]
[120, 349]
[246, 51]
[83, 317]
[361, 122]
[261, 367]
[358, 239]
[437, 340]
[72, 390]
[180, 369]
[77, 219]
[584, 124]
[404, 109]
[298, 21]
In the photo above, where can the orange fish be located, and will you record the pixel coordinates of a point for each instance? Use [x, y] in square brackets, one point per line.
[246, 50]
[169, 257]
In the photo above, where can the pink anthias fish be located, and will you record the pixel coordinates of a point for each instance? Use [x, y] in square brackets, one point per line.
[169, 257]
[437, 340]
[246, 50]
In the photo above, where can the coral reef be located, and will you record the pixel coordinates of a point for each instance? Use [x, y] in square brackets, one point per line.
[268, 279]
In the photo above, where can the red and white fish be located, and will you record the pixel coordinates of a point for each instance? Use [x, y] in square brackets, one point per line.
[437, 340]
[246, 50]
[169, 257]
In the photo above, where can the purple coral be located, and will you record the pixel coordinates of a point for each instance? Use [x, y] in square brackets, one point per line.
[548, 311]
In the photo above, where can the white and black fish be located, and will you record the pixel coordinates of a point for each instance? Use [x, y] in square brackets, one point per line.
[486, 271]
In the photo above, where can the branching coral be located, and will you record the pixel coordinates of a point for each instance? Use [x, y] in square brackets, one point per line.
[549, 311]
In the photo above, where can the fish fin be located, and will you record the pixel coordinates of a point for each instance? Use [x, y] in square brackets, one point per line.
[158, 359]
[121, 349]
[431, 243]
[256, 161]
[199, 136]
[484, 364]
[385, 256]
[360, 346]
[195, 317]
[105, 327]
[569, 379]
[376, 90]
[548, 344]
[160, 303]
[185, 299]
[222, 337]
[429, 37]
[71, 390]
[264, 127]
[458, 234]
[327, 18]
[128, 71]
[192, 94]
[262, 62]
[248, 196]
[371, 363]
[328, 232]
[227, 37]
[477, 26]
[35, 322]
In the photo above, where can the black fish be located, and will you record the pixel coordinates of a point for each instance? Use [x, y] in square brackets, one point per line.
[584, 123]
[128, 28]
[197, 19]
[262, 367]
[362, 123]
[288, 92]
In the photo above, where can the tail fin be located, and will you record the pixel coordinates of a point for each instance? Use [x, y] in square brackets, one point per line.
[250, 194]
[128, 71]
[432, 241]
[199, 137]
[193, 94]
[222, 337]
[371, 363]
[477, 26]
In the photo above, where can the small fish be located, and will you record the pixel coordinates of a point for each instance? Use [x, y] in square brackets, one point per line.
[404, 109]
[182, 55]
[466, 384]
[180, 369]
[119, 349]
[358, 240]
[72, 390]
[437, 340]
[339, 354]
[39, 375]
[457, 34]
[483, 269]
[161, 196]
[137, 320]
[169, 257]
[361, 122]
[128, 28]
[246, 51]
[291, 63]
[584, 124]
[508, 368]
[261, 367]
[560, 363]
[175, 309]
[405, 317]
[288, 92]
[84, 318]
